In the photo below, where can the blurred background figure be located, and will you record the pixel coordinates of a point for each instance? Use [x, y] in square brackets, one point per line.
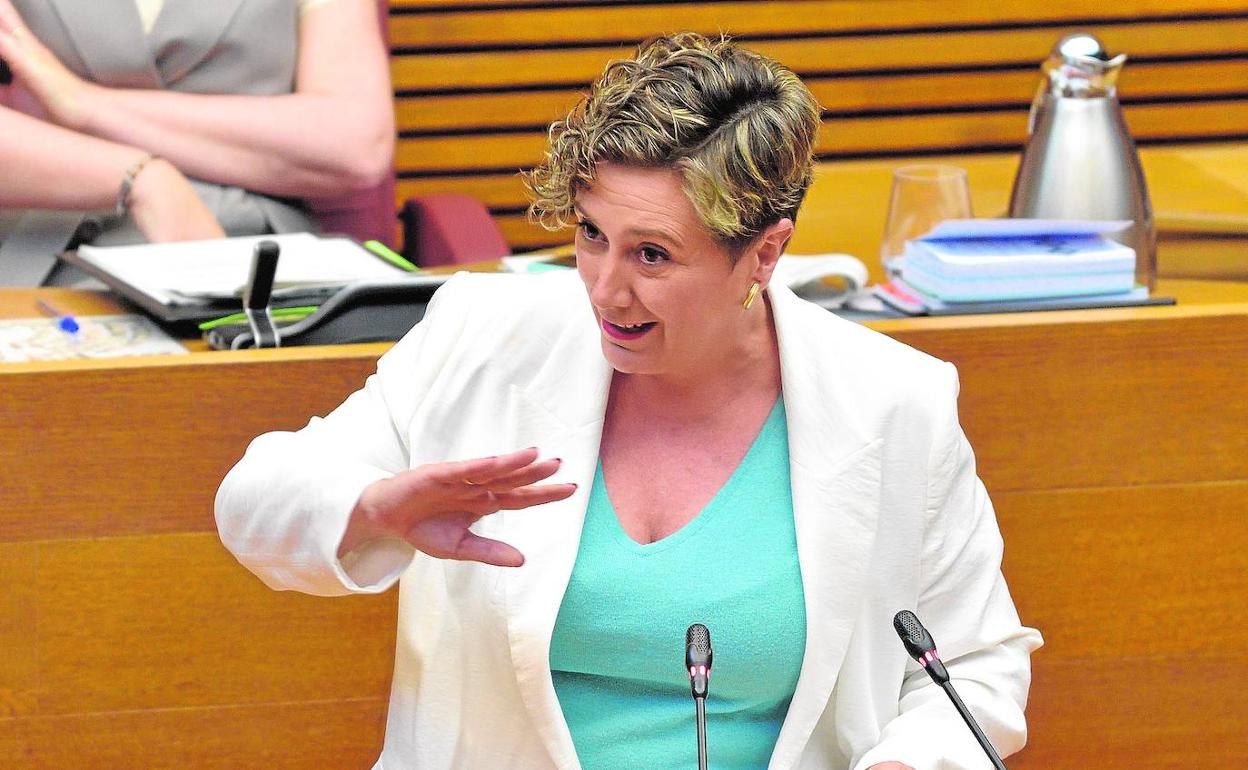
[273, 108]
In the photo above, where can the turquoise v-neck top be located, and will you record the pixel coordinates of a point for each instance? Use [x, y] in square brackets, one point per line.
[618, 650]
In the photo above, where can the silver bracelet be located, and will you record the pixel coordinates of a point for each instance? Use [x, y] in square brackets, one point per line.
[127, 182]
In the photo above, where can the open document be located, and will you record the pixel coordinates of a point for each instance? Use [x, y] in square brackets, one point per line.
[197, 272]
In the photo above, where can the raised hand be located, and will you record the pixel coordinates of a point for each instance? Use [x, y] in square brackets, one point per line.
[61, 93]
[433, 506]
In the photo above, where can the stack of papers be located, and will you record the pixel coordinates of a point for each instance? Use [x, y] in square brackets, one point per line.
[44, 339]
[213, 271]
[995, 260]
[900, 296]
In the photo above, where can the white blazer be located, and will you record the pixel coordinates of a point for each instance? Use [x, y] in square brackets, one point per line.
[888, 510]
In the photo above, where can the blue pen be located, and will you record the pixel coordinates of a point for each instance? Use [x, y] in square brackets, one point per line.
[64, 321]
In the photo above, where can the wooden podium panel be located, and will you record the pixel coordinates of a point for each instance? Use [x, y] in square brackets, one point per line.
[1112, 441]
[1139, 592]
[129, 637]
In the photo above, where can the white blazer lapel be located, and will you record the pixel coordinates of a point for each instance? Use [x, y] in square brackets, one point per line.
[835, 472]
[562, 412]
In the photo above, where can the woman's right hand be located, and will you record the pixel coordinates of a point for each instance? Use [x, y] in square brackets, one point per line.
[432, 506]
[166, 207]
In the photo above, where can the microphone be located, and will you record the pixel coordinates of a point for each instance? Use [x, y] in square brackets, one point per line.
[698, 657]
[922, 647]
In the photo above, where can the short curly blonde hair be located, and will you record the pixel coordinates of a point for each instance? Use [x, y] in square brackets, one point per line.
[738, 126]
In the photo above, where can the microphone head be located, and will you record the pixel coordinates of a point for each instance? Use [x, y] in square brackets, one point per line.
[698, 647]
[913, 635]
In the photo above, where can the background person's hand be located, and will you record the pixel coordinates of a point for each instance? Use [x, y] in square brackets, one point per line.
[432, 506]
[166, 208]
[62, 94]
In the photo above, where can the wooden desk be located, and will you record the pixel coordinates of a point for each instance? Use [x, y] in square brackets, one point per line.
[1113, 442]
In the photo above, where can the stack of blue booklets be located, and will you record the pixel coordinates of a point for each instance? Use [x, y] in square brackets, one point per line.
[996, 265]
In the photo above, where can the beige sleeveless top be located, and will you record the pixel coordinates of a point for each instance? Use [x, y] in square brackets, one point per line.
[191, 46]
[150, 9]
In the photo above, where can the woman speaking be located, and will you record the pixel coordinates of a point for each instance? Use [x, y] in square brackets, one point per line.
[716, 450]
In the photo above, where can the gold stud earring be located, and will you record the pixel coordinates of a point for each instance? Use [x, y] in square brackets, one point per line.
[750, 295]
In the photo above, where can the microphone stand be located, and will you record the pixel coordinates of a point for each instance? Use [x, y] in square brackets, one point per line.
[700, 706]
[922, 647]
[984, 743]
[698, 659]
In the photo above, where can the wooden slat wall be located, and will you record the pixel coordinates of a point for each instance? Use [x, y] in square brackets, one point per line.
[476, 81]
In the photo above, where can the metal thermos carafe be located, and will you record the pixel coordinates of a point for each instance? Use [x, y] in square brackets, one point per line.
[1080, 161]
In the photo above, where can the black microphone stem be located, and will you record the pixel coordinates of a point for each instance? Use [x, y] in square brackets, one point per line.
[700, 705]
[970, 722]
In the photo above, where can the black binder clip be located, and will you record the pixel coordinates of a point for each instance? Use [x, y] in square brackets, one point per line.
[256, 296]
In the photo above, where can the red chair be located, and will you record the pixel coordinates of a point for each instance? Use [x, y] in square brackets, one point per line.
[448, 229]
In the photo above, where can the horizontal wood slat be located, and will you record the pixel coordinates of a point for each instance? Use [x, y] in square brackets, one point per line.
[19, 663]
[1133, 710]
[965, 49]
[1214, 258]
[110, 626]
[276, 736]
[629, 22]
[848, 196]
[1102, 428]
[1091, 571]
[1053, 537]
[504, 190]
[417, 6]
[128, 484]
[896, 134]
[523, 235]
[480, 112]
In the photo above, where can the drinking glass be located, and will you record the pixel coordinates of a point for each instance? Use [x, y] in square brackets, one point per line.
[923, 195]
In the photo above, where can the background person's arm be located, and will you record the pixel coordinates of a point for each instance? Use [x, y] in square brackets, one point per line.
[334, 134]
[46, 166]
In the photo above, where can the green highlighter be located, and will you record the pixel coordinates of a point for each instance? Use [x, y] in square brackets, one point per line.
[299, 313]
[279, 313]
[390, 255]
